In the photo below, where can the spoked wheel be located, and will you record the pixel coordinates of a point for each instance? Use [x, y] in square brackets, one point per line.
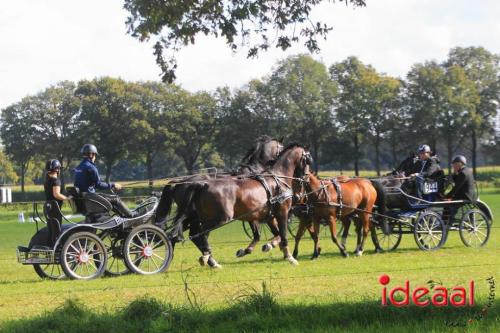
[429, 231]
[292, 225]
[147, 250]
[262, 227]
[83, 256]
[474, 228]
[49, 271]
[116, 260]
[387, 242]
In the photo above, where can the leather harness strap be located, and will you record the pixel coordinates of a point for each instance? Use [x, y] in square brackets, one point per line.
[339, 196]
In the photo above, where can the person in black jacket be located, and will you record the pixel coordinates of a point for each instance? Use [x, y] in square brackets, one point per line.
[54, 198]
[464, 185]
[427, 166]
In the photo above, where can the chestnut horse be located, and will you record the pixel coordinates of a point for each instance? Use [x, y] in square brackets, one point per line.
[358, 199]
[219, 201]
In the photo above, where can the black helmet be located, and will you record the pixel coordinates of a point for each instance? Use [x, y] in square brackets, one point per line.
[52, 165]
[459, 158]
[89, 149]
[424, 149]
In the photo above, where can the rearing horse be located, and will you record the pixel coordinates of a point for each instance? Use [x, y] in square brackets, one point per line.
[218, 201]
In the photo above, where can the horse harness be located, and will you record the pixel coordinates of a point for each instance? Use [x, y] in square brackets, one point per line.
[283, 194]
[323, 188]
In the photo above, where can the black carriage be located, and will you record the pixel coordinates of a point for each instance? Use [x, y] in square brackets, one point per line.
[430, 219]
[101, 242]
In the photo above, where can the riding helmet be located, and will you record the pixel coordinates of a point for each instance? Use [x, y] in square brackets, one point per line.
[424, 149]
[460, 158]
[89, 149]
[52, 165]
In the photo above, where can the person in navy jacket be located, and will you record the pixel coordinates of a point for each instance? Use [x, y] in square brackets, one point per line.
[87, 180]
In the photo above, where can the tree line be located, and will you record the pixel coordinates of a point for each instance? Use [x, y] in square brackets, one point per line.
[350, 115]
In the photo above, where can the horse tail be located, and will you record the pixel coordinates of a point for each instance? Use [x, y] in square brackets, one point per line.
[189, 201]
[165, 204]
[381, 200]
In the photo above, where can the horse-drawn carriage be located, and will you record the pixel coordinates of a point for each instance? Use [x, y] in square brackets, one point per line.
[101, 242]
[429, 218]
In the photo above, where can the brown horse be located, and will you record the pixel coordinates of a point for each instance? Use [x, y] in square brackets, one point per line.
[265, 150]
[358, 197]
[219, 201]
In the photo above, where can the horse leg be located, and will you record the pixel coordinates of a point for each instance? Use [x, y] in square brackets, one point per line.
[201, 242]
[332, 223]
[273, 226]
[359, 226]
[347, 224]
[373, 231]
[298, 236]
[314, 231]
[365, 225]
[256, 238]
[282, 219]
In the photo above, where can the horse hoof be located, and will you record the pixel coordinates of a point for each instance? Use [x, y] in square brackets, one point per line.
[203, 260]
[295, 254]
[266, 247]
[345, 254]
[292, 260]
[213, 263]
[359, 253]
[314, 257]
[240, 253]
[378, 250]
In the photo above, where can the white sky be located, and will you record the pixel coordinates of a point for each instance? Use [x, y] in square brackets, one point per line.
[46, 41]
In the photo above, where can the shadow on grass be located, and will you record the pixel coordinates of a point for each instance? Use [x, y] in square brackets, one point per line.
[257, 312]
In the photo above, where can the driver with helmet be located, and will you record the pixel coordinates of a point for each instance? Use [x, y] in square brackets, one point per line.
[87, 180]
[427, 166]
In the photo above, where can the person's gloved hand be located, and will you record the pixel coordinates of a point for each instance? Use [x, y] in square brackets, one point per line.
[117, 186]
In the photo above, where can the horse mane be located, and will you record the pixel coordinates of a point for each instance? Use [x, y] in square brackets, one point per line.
[287, 148]
[252, 151]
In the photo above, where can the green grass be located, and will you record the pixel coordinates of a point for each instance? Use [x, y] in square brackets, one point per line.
[331, 293]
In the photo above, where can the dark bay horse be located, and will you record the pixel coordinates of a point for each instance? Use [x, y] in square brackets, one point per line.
[322, 196]
[218, 201]
[265, 150]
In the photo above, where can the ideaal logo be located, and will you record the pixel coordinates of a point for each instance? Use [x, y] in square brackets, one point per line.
[422, 296]
[438, 295]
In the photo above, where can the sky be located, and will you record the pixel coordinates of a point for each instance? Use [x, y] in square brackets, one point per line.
[43, 42]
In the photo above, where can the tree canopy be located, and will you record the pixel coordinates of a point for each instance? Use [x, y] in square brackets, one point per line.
[256, 25]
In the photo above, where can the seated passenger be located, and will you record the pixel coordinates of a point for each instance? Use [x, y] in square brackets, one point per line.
[464, 187]
[87, 181]
[53, 196]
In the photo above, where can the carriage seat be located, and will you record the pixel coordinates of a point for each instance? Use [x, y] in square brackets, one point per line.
[93, 206]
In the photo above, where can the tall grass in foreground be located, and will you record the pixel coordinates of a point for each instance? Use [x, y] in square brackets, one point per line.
[258, 311]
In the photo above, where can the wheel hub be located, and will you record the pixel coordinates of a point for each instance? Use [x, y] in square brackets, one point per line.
[148, 251]
[83, 257]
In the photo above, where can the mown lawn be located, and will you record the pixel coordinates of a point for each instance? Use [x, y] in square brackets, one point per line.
[329, 294]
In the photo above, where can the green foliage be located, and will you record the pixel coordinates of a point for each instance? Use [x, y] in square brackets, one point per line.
[255, 24]
[7, 173]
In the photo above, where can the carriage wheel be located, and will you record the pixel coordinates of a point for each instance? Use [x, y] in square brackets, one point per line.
[83, 256]
[429, 231]
[474, 228]
[116, 263]
[390, 242]
[292, 225]
[49, 271]
[264, 228]
[147, 250]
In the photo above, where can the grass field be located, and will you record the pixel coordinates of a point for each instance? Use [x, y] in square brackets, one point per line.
[329, 294]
